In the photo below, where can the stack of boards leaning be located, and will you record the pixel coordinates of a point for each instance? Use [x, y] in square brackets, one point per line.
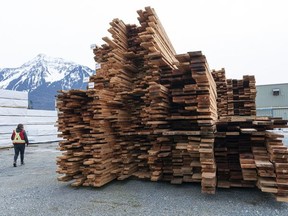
[157, 115]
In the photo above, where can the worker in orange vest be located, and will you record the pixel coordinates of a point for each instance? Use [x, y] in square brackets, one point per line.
[19, 139]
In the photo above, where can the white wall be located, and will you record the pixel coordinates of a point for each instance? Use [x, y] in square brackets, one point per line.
[39, 124]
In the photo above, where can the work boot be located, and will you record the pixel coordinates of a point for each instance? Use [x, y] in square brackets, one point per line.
[14, 164]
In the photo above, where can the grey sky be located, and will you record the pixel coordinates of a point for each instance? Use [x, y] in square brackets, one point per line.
[246, 37]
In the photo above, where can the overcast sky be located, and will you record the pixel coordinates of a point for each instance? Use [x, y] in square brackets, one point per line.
[246, 37]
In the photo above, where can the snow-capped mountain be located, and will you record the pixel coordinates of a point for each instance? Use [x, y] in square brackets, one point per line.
[42, 77]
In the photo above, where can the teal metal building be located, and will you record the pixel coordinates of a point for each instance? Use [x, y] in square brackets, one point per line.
[272, 100]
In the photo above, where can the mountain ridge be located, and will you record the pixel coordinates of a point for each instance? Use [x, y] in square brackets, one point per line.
[42, 77]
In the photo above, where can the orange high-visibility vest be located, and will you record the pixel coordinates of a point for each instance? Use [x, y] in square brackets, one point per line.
[17, 138]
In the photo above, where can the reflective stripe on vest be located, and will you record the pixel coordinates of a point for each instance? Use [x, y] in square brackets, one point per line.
[17, 138]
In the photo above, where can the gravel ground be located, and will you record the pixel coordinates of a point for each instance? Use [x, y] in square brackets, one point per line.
[33, 189]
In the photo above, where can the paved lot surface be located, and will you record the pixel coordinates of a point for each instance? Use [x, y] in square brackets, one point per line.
[33, 189]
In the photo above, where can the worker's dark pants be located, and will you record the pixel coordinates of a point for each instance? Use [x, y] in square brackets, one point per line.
[19, 148]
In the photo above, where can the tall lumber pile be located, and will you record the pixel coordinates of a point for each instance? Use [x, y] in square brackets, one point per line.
[193, 114]
[72, 122]
[154, 114]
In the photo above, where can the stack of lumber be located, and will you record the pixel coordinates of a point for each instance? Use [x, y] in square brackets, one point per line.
[235, 97]
[154, 114]
[157, 111]
[232, 152]
[278, 155]
[159, 58]
[241, 96]
[192, 116]
[222, 96]
[183, 124]
[206, 116]
[76, 133]
[248, 154]
[99, 167]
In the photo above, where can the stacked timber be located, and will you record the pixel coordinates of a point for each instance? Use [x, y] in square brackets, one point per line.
[235, 97]
[278, 155]
[241, 96]
[248, 155]
[73, 112]
[100, 167]
[153, 114]
[157, 111]
[232, 152]
[192, 119]
[89, 142]
[159, 58]
[186, 166]
[207, 115]
[222, 95]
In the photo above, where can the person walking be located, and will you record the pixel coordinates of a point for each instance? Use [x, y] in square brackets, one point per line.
[19, 139]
